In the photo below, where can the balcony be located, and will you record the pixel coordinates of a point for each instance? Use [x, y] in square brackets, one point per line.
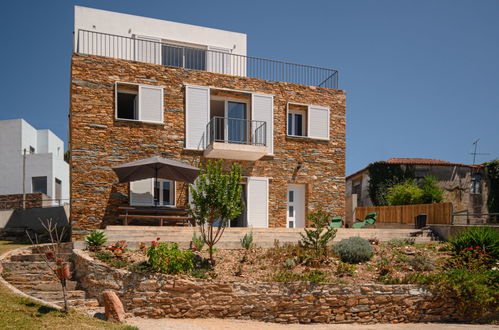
[238, 139]
[143, 50]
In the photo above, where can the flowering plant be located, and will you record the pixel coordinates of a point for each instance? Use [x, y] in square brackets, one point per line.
[169, 259]
[473, 258]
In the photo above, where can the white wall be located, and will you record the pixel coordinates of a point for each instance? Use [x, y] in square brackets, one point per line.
[48, 159]
[129, 25]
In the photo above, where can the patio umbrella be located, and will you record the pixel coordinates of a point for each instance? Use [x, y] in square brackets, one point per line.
[157, 168]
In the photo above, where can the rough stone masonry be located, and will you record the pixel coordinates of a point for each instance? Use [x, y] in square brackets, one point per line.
[157, 295]
[98, 141]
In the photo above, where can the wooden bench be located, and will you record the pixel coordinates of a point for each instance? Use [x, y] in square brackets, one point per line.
[172, 216]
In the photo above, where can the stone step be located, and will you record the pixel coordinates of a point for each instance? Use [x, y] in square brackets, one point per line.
[43, 285]
[57, 295]
[34, 267]
[63, 248]
[38, 257]
[26, 277]
[86, 303]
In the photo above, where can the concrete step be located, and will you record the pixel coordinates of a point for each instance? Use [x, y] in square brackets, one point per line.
[43, 285]
[57, 295]
[38, 257]
[34, 267]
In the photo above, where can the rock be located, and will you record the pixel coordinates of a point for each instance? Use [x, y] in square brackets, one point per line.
[113, 306]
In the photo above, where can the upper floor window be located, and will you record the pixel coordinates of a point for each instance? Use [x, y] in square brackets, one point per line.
[31, 150]
[183, 57]
[39, 184]
[139, 102]
[308, 121]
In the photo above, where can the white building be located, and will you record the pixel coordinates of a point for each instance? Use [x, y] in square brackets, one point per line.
[46, 170]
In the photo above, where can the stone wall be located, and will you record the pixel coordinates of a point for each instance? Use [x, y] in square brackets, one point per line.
[98, 142]
[156, 296]
[15, 201]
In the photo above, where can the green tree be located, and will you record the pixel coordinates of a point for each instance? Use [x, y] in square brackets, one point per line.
[404, 193]
[431, 192]
[216, 199]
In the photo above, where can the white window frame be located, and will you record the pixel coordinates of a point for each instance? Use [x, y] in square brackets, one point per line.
[137, 103]
[306, 121]
[173, 193]
[172, 198]
[294, 112]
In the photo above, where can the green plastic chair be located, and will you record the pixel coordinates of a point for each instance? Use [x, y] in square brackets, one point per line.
[370, 219]
[336, 222]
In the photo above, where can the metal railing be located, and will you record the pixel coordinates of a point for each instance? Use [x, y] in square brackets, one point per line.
[30, 203]
[466, 217]
[238, 131]
[150, 51]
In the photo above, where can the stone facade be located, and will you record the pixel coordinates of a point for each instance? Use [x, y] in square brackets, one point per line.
[156, 296]
[98, 141]
[15, 201]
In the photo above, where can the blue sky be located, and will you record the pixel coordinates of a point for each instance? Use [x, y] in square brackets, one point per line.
[422, 77]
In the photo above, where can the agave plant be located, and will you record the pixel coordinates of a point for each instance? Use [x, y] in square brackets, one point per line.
[95, 239]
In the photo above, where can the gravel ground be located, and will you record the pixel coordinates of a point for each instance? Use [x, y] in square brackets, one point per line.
[226, 324]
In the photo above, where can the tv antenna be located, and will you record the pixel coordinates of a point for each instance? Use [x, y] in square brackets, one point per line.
[474, 153]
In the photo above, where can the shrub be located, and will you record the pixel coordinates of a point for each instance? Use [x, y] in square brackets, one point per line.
[477, 293]
[472, 258]
[169, 259]
[400, 242]
[95, 239]
[104, 256]
[319, 235]
[353, 250]
[486, 238]
[432, 193]
[421, 263]
[118, 263]
[289, 263]
[344, 269]
[247, 241]
[197, 242]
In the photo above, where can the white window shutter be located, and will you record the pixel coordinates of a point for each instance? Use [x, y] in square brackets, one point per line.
[318, 122]
[258, 200]
[218, 60]
[151, 104]
[147, 49]
[263, 110]
[197, 114]
[141, 192]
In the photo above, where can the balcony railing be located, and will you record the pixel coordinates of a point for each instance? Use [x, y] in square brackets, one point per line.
[150, 51]
[237, 131]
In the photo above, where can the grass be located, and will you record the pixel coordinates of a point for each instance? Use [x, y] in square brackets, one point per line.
[22, 313]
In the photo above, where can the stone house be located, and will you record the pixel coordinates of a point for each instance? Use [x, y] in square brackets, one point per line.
[144, 87]
[465, 186]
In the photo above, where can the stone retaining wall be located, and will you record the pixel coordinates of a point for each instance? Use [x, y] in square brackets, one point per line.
[156, 295]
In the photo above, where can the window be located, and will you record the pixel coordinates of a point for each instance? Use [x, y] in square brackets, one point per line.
[58, 188]
[297, 118]
[183, 57]
[230, 123]
[127, 102]
[31, 150]
[308, 121]
[475, 187]
[39, 184]
[164, 193]
[291, 196]
[139, 102]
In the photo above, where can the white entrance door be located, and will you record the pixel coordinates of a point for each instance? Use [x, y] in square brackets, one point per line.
[296, 206]
[258, 202]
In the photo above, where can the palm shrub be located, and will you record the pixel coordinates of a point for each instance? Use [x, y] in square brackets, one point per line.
[319, 235]
[95, 239]
[487, 238]
[216, 199]
[247, 241]
[353, 250]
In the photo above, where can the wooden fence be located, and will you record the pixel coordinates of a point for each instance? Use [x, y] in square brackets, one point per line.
[437, 213]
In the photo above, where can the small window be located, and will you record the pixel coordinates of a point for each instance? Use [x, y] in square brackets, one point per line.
[297, 119]
[31, 150]
[475, 187]
[127, 102]
[291, 211]
[39, 184]
[58, 189]
[291, 196]
[291, 224]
